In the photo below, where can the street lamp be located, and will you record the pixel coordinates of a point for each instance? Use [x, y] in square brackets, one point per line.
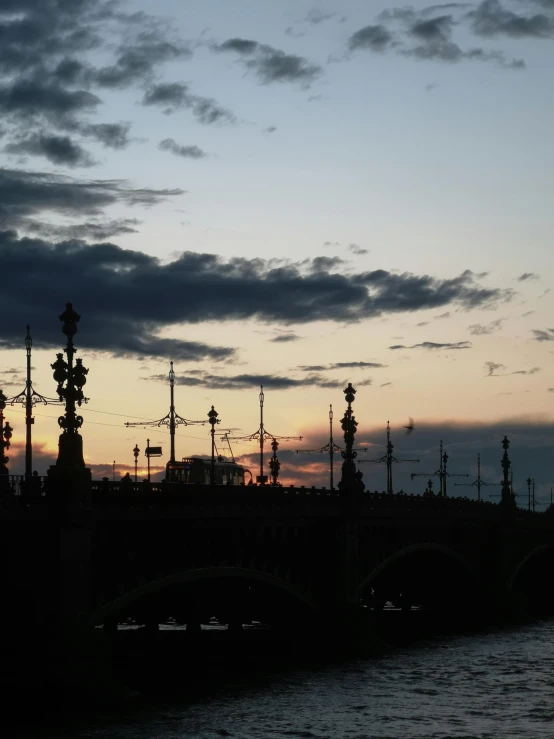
[136, 452]
[70, 456]
[113, 470]
[5, 436]
[212, 420]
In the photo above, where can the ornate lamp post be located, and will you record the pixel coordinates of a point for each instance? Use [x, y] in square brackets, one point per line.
[5, 436]
[136, 452]
[274, 464]
[70, 455]
[507, 498]
[350, 479]
[212, 420]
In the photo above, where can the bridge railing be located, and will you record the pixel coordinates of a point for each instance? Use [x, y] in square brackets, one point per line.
[19, 485]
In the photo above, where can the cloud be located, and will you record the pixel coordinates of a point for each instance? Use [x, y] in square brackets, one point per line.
[188, 152]
[374, 38]
[532, 371]
[285, 338]
[422, 323]
[492, 368]
[24, 194]
[358, 250]
[271, 64]
[57, 149]
[138, 59]
[550, 390]
[248, 381]
[543, 335]
[113, 135]
[431, 345]
[340, 366]
[316, 16]
[331, 243]
[175, 96]
[193, 287]
[425, 35]
[89, 230]
[38, 98]
[491, 18]
[441, 316]
[269, 129]
[478, 329]
[527, 276]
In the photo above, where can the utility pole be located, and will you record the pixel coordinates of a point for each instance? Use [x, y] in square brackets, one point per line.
[388, 458]
[478, 483]
[29, 398]
[261, 434]
[441, 473]
[529, 481]
[533, 495]
[171, 420]
[330, 448]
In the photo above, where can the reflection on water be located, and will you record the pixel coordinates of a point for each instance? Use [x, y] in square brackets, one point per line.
[496, 685]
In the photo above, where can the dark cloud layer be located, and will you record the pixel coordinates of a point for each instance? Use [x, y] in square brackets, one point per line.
[270, 64]
[25, 194]
[57, 149]
[197, 287]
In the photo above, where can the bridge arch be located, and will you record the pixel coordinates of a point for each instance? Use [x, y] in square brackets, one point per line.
[187, 577]
[541, 550]
[413, 549]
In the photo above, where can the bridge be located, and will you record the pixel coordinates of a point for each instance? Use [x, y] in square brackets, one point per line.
[87, 557]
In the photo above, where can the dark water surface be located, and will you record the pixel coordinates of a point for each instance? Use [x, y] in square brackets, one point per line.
[494, 685]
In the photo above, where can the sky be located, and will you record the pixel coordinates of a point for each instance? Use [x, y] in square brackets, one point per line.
[294, 194]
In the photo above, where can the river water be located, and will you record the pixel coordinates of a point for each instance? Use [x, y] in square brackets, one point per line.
[480, 686]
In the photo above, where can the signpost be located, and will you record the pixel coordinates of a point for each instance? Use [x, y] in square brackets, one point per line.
[151, 451]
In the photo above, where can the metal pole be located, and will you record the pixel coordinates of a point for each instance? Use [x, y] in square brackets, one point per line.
[440, 471]
[148, 456]
[533, 495]
[29, 420]
[113, 470]
[478, 477]
[389, 460]
[261, 432]
[529, 493]
[445, 460]
[172, 413]
[331, 447]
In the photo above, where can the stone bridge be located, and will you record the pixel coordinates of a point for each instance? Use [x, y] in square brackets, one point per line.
[99, 553]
